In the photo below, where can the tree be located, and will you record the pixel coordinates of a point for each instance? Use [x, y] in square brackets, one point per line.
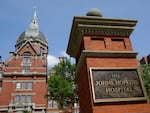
[60, 89]
[66, 69]
[145, 69]
[26, 111]
[62, 83]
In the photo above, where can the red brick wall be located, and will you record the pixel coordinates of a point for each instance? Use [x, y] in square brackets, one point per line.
[107, 43]
[86, 100]
[39, 89]
[112, 62]
[84, 89]
[125, 108]
[37, 64]
[27, 48]
[84, 84]
[5, 95]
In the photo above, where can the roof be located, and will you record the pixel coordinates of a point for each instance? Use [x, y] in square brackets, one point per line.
[40, 37]
[32, 33]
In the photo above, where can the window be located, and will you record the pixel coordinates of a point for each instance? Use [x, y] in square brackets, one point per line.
[26, 60]
[76, 104]
[25, 69]
[17, 98]
[24, 86]
[18, 85]
[55, 104]
[50, 104]
[29, 85]
[23, 98]
[28, 98]
[41, 51]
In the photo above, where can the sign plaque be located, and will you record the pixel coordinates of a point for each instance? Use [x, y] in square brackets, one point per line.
[114, 85]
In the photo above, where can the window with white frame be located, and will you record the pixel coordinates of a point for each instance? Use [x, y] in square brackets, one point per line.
[41, 51]
[50, 104]
[24, 85]
[55, 104]
[23, 98]
[17, 98]
[28, 98]
[18, 85]
[29, 85]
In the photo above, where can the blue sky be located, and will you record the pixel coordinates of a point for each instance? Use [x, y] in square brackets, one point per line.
[55, 21]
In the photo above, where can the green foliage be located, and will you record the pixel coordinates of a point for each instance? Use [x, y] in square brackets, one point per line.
[60, 89]
[146, 78]
[26, 111]
[66, 69]
[60, 83]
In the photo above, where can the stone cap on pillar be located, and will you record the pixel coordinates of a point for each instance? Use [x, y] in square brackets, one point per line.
[97, 25]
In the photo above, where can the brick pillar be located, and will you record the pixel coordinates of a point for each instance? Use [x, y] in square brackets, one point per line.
[108, 80]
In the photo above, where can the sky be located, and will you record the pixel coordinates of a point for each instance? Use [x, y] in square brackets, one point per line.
[55, 20]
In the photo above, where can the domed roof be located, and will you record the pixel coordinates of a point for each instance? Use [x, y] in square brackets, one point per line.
[32, 33]
[94, 12]
[40, 37]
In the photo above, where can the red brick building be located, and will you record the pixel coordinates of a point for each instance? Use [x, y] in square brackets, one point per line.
[23, 76]
[1, 71]
[145, 60]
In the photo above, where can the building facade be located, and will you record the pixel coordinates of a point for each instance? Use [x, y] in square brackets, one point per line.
[23, 76]
[145, 60]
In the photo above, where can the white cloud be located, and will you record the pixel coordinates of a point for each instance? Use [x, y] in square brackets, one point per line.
[52, 60]
[64, 54]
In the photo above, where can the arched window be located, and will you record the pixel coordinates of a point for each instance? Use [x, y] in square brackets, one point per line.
[41, 51]
[26, 58]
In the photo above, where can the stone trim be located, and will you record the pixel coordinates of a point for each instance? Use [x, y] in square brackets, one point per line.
[34, 81]
[97, 26]
[3, 109]
[24, 74]
[13, 94]
[120, 54]
[105, 30]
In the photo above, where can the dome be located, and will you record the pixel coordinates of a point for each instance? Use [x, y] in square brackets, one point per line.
[32, 33]
[23, 37]
[94, 12]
